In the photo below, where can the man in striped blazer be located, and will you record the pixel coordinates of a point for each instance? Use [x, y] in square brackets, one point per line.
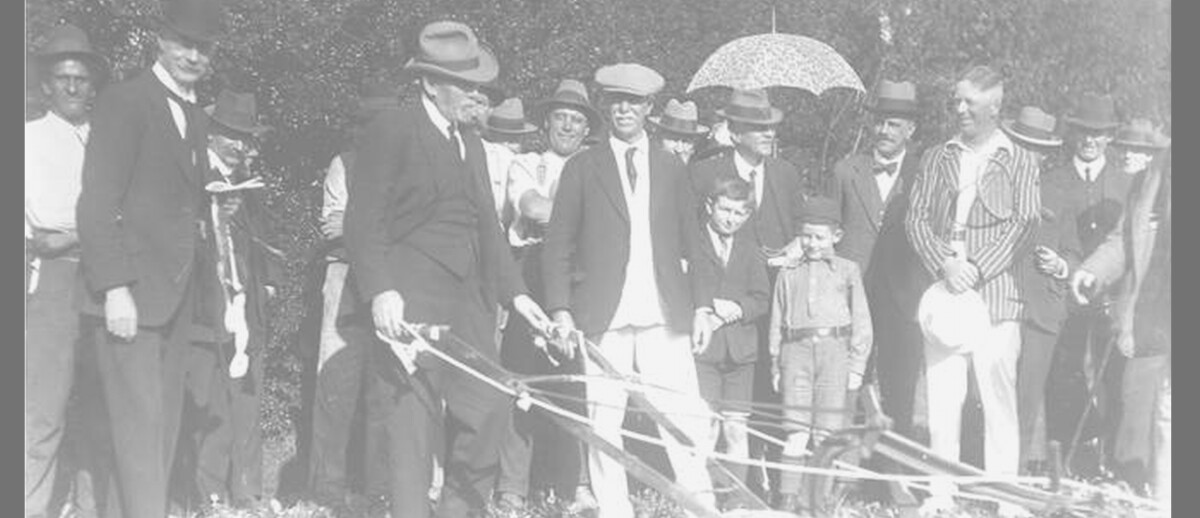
[974, 205]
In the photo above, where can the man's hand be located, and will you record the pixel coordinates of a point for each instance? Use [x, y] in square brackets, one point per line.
[727, 310]
[702, 329]
[331, 228]
[960, 275]
[1048, 262]
[1125, 343]
[533, 314]
[387, 311]
[776, 375]
[1082, 284]
[563, 335]
[120, 313]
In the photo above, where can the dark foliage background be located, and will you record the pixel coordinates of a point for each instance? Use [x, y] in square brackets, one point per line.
[305, 60]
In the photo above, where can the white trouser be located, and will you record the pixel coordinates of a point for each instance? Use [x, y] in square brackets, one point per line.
[1162, 445]
[662, 358]
[995, 361]
[331, 294]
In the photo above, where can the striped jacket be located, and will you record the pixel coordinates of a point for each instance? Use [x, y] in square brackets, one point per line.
[998, 227]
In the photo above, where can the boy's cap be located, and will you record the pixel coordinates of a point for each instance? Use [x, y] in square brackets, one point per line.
[821, 210]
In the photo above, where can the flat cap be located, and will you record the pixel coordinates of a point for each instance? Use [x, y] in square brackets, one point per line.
[629, 78]
[821, 210]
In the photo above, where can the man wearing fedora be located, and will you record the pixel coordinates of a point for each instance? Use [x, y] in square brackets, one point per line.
[974, 205]
[678, 129]
[147, 247]
[425, 248]
[1137, 255]
[503, 132]
[341, 363]
[614, 268]
[1042, 273]
[227, 389]
[68, 71]
[871, 190]
[566, 118]
[1097, 188]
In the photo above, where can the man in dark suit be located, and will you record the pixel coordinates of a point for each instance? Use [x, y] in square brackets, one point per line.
[1096, 188]
[1042, 281]
[425, 247]
[620, 236]
[778, 197]
[872, 194]
[146, 248]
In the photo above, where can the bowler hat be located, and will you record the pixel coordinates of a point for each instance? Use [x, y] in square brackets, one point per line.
[509, 119]
[821, 210]
[1095, 112]
[569, 94]
[1141, 133]
[629, 78]
[751, 106]
[451, 50]
[237, 112]
[70, 42]
[1033, 126]
[680, 119]
[895, 98]
[952, 322]
[200, 20]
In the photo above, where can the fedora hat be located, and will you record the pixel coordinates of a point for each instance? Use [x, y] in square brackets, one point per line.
[752, 106]
[1095, 112]
[1141, 133]
[509, 119]
[895, 98]
[569, 94]
[70, 42]
[680, 119]
[200, 20]
[950, 321]
[629, 78]
[451, 50]
[237, 112]
[1033, 126]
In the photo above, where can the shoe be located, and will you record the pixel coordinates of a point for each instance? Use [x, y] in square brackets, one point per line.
[584, 501]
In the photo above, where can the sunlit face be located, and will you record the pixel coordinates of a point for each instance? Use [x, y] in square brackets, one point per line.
[186, 61]
[817, 240]
[232, 151]
[1136, 160]
[977, 109]
[458, 102]
[682, 147]
[753, 141]
[892, 134]
[726, 216]
[69, 89]
[627, 114]
[566, 129]
[1090, 144]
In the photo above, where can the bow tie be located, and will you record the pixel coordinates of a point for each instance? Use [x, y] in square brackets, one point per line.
[888, 168]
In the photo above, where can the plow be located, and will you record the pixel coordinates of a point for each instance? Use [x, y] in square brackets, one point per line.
[829, 466]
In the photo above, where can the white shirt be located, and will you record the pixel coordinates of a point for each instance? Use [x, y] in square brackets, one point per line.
[744, 169]
[442, 124]
[640, 304]
[1088, 171]
[53, 170]
[971, 166]
[499, 159]
[885, 182]
[336, 195]
[188, 95]
[537, 172]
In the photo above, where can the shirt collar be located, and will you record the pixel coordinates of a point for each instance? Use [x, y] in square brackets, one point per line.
[619, 146]
[994, 143]
[743, 167]
[898, 159]
[57, 120]
[439, 121]
[1095, 165]
[220, 165]
[165, 78]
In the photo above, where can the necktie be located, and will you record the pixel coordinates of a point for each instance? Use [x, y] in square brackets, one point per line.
[888, 168]
[454, 141]
[190, 127]
[630, 170]
[754, 187]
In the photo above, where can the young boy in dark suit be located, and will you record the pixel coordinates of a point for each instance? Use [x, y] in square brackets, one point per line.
[737, 285]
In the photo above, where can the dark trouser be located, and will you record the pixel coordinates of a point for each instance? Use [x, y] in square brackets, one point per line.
[51, 334]
[1133, 450]
[477, 417]
[88, 441]
[1033, 369]
[896, 360]
[229, 457]
[1083, 342]
[143, 386]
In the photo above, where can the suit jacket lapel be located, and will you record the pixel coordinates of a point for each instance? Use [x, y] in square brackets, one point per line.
[867, 190]
[771, 193]
[161, 111]
[437, 150]
[610, 182]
